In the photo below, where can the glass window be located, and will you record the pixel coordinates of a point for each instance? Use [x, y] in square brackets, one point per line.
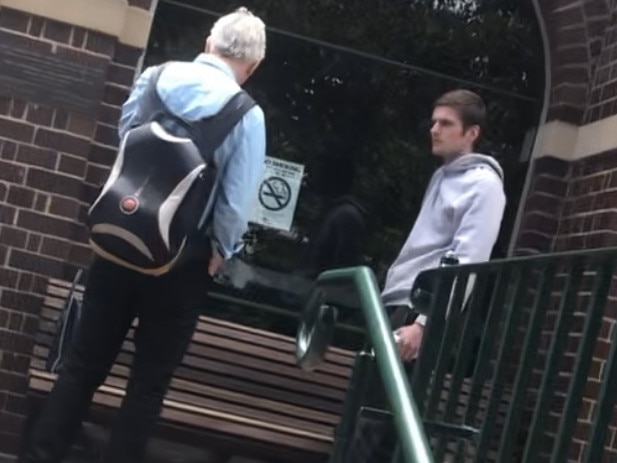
[347, 89]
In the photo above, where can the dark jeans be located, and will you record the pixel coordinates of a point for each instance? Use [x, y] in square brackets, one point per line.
[167, 309]
[374, 440]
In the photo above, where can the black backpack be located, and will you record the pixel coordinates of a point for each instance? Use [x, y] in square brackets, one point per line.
[151, 213]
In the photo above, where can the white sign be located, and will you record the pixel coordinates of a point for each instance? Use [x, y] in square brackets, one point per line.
[278, 194]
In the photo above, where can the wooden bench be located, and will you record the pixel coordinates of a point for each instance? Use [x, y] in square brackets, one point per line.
[238, 389]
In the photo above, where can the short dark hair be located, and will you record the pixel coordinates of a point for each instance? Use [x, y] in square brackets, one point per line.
[469, 106]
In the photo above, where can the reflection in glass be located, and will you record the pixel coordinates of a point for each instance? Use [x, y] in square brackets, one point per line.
[347, 89]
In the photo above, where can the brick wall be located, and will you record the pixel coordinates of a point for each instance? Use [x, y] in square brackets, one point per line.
[52, 159]
[571, 204]
[576, 31]
[603, 90]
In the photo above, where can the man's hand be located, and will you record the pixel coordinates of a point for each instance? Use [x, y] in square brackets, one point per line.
[215, 262]
[410, 339]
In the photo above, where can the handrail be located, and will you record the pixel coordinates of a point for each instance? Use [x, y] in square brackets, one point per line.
[315, 333]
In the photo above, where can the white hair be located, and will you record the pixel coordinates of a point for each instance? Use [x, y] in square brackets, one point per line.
[240, 35]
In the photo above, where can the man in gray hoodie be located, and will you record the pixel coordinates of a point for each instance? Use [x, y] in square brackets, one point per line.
[461, 212]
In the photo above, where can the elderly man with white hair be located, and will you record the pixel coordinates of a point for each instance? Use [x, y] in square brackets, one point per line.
[167, 306]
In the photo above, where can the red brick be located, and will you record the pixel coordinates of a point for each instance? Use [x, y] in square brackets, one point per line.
[75, 145]
[41, 202]
[72, 165]
[20, 131]
[15, 322]
[12, 236]
[96, 175]
[36, 26]
[36, 156]
[45, 224]
[61, 119]
[20, 301]
[121, 75]
[82, 57]
[8, 149]
[11, 172]
[53, 182]
[81, 125]
[18, 111]
[34, 242]
[39, 115]
[100, 43]
[126, 55]
[19, 196]
[15, 342]
[5, 316]
[103, 155]
[79, 37]
[5, 105]
[7, 214]
[65, 207]
[9, 279]
[54, 247]
[15, 404]
[57, 32]
[115, 95]
[25, 282]
[14, 20]
[109, 115]
[35, 263]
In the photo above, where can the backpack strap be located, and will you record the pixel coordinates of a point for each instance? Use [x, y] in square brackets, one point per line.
[151, 106]
[210, 133]
[207, 133]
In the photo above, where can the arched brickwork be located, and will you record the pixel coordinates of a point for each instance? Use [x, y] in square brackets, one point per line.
[572, 184]
[578, 32]
[582, 57]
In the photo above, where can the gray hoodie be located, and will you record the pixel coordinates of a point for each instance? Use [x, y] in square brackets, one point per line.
[461, 211]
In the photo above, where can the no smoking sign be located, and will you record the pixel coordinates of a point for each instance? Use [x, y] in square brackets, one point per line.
[274, 194]
[276, 200]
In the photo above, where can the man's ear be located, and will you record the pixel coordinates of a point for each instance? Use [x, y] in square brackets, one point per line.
[252, 68]
[474, 132]
[208, 47]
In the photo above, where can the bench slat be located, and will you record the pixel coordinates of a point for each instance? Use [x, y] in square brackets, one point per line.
[112, 396]
[234, 380]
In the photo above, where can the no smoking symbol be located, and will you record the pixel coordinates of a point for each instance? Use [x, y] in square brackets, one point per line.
[274, 194]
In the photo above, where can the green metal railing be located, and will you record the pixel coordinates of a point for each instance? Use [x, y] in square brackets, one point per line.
[536, 323]
[314, 337]
[513, 354]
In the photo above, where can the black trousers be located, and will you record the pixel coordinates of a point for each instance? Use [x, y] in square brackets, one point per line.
[374, 440]
[167, 309]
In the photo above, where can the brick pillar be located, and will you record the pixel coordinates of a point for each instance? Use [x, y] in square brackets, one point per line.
[573, 186]
[66, 69]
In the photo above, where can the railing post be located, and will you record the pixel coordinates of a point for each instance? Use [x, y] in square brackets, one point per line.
[358, 383]
[414, 443]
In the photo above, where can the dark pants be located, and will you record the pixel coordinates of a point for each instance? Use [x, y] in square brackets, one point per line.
[374, 440]
[167, 309]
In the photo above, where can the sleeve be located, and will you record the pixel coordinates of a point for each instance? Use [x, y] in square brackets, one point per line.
[130, 106]
[238, 184]
[481, 216]
[481, 212]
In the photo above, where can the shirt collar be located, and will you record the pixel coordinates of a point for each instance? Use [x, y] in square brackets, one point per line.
[215, 61]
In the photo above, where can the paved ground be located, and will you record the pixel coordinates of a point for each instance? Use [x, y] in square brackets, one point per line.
[159, 451]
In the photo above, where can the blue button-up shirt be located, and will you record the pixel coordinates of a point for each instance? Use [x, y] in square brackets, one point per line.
[199, 89]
